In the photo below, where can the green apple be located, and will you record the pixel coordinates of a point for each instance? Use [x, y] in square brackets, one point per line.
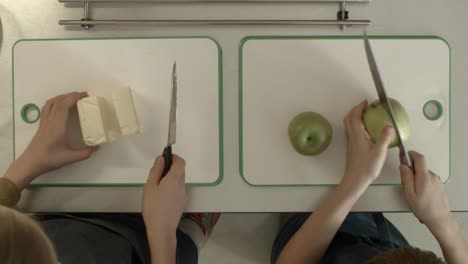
[375, 118]
[310, 133]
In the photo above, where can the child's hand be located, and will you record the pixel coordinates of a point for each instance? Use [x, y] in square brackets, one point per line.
[425, 193]
[164, 199]
[49, 149]
[364, 159]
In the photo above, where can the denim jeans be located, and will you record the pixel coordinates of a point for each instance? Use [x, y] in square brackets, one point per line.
[107, 238]
[360, 237]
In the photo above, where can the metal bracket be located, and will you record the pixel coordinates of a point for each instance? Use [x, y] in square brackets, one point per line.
[86, 22]
[343, 15]
[86, 5]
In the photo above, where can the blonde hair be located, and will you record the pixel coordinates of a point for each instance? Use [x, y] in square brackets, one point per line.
[22, 241]
[407, 255]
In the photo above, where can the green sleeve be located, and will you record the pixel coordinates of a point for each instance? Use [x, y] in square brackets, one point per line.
[9, 193]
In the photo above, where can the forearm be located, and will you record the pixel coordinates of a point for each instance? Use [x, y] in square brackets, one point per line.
[311, 241]
[22, 171]
[162, 246]
[451, 241]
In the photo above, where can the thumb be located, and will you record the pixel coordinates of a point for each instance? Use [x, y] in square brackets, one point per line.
[156, 171]
[83, 153]
[407, 179]
[385, 138]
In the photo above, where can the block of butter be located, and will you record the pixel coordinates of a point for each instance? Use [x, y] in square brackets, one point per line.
[124, 105]
[92, 120]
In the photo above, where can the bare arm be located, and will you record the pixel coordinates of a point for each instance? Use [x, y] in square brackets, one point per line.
[451, 241]
[18, 175]
[427, 199]
[163, 247]
[22, 171]
[164, 200]
[363, 165]
[310, 242]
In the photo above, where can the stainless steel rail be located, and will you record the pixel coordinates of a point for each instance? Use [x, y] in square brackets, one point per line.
[342, 20]
[211, 22]
[209, 1]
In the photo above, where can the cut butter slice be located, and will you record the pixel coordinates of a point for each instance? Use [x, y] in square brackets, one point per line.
[125, 109]
[90, 113]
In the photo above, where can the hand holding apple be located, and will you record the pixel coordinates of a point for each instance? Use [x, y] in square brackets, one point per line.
[376, 118]
[364, 159]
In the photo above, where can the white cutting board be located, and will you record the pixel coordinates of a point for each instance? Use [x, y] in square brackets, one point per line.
[46, 68]
[282, 76]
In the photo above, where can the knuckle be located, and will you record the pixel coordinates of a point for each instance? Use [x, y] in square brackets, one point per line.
[347, 120]
[156, 160]
[88, 154]
[69, 100]
[152, 171]
[60, 104]
[179, 160]
[48, 102]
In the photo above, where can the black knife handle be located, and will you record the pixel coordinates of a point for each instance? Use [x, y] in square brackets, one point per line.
[167, 154]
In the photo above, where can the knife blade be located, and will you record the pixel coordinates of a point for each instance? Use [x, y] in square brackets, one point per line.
[404, 157]
[171, 132]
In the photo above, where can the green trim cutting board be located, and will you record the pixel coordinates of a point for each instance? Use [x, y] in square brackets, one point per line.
[280, 77]
[44, 68]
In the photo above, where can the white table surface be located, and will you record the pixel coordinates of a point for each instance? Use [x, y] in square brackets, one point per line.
[39, 19]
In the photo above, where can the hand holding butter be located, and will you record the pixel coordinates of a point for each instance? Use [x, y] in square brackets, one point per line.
[96, 117]
[50, 148]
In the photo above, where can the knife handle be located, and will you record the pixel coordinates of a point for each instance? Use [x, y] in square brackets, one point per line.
[167, 154]
[406, 160]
